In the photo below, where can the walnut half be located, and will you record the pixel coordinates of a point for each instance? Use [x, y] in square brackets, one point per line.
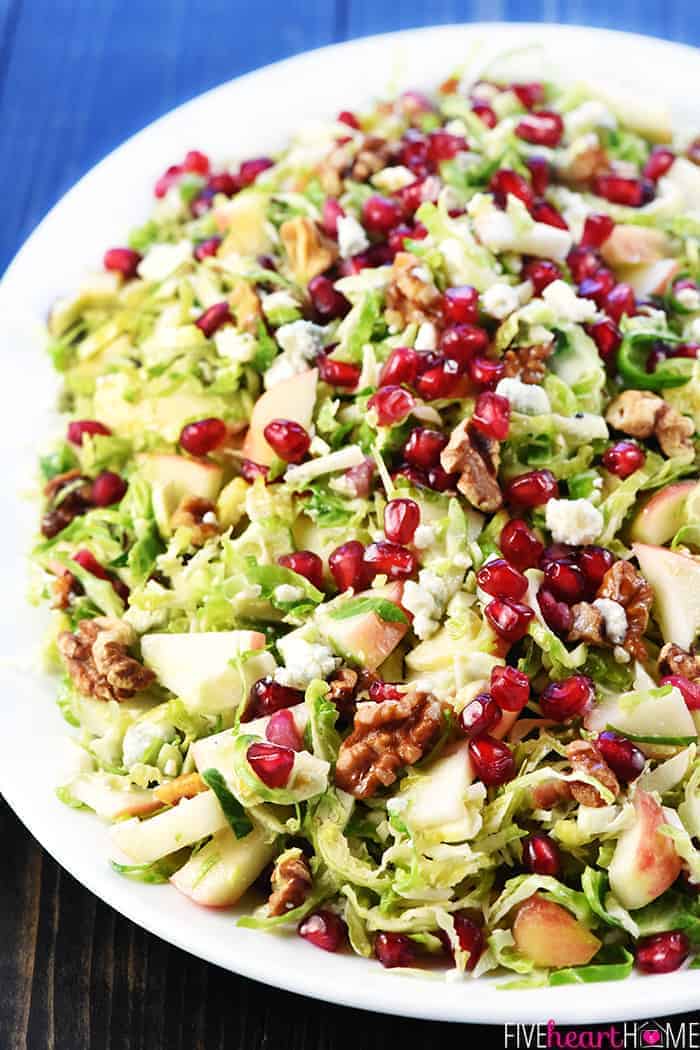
[641, 414]
[385, 737]
[291, 882]
[308, 251]
[585, 757]
[97, 659]
[475, 458]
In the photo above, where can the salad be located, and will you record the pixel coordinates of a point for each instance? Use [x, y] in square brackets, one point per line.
[373, 536]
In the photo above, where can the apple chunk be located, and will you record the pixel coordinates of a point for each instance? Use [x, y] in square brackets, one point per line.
[662, 516]
[183, 825]
[630, 245]
[364, 639]
[292, 398]
[219, 874]
[675, 579]
[550, 935]
[645, 862]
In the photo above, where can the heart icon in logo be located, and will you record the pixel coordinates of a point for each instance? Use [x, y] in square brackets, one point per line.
[651, 1037]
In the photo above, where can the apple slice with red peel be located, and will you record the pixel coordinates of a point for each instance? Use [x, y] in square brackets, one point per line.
[220, 873]
[662, 516]
[550, 935]
[645, 862]
[650, 278]
[675, 579]
[292, 398]
[630, 245]
[365, 639]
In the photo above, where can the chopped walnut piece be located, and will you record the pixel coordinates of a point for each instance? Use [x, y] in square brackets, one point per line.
[476, 458]
[584, 166]
[62, 587]
[333, 168]
[291, 882]
[68, 495]
[641, 414]
[373, 155]
[308, 251]
[343, 689]
[674, 660]
[191, 514]
[385, 737]
[586, 625]
[527, 363]
[624, 585]
[410, 297]
[97, 659]
[550, 793]
[187, 785]
[585, 757]
[246, 306]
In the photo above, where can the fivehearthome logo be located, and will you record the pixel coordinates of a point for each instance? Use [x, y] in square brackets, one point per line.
[632, 1035]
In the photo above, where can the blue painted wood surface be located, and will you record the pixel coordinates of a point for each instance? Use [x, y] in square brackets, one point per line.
[79, 76]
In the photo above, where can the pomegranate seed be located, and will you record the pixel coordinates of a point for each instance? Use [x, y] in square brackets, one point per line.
[504, 182]
[541, 272]
[596, 230]
[324, 929]
[380, 690]
[567, 699]
[391, 559]
[413, 475]
[400, 234]
[501, 580]
[338, 373]
[625, 760]
[359, 478]
[444, 146]
[623, 458]
[632, 192]
[662, 952]
[460, 305]
[395, 949]
[347, 566]
[213, 318]
[566, 582]
[107, 488]
[557, 615]
[87, 560]
[558, 552]
[282, 730]
[492, 415]
[196, 162]
[510, 688]
[530, 94]
[539, 174]
[660, 160]
[606, 337]
[267, 696]
[690, 691]
[401, 519]
[203, 436]
[621, 300]
[479, 716]
[392, 405]
[80, 427]
[598, 286]
[400, 367]
[207, 248]
[543, 128]
[583, 263]
[251, 470]
[380, 214]
[306, 564]
[533, 489]
[594, 562]
[224, 183]
[250, 169]
[332, 211]
[346, 117]
[288, 439]
[693, 151]
[328, 303]
[423, 447]
[271, 763]
[509, 619]
[492, 759]
[461, 342]
[439, 480]
[484, 371]
[548, 214]
[690, 350]
[414, 153]
[123, 261]
[541, 855]
[519, 544]
[168, 179]
[442, 381]
[470, 936]
[485, 114]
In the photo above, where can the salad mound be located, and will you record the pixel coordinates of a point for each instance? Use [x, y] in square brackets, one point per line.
[373, 541]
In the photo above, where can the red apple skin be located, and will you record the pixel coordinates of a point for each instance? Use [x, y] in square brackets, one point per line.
[550, 935]
[660, 517]
[645, 862]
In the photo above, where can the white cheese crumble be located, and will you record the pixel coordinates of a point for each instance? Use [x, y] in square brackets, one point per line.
[614, 619]
[286, 592]
[573, 521]
[280, 300]
[140, 738]
[591, 114]
[352, 238]
[392, 179]
[426, 337]
[426, 599]
[162, 260]
[567, 306]
[500, 300]
[236, 346]
[527, 398]
[424, 537]
[584, 426]
[301, 341]
[689, 298]
[305, 661]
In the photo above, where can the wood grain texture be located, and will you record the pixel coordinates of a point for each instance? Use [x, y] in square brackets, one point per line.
[76, 78]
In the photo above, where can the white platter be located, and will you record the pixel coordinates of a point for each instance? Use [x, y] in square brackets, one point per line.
[245, 117]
